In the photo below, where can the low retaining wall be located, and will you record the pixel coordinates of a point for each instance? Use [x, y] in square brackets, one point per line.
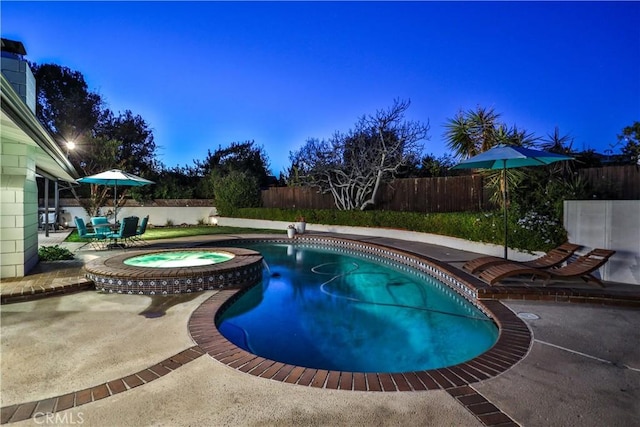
[413, 236]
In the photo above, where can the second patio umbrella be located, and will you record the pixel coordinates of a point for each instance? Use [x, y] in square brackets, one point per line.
[504, 157]
[115, 177]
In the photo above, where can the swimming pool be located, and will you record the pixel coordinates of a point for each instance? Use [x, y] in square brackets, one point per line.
[331, 309]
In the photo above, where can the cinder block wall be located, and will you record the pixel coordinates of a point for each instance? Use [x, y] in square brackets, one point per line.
[608, 224]
[18, 210]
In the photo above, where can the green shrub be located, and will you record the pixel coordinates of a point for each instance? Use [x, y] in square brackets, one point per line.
[54, 253]
[529, 231]
[534, 232]
[236, 190]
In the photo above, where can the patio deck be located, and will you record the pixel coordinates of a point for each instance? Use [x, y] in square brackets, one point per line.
[583, 367]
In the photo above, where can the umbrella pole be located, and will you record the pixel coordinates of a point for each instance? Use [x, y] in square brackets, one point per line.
[115, 203]
[504, 205]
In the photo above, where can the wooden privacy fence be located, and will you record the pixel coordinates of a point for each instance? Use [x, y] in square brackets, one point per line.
[449, 194]
[622, 181]
[445, 194]
[442, 194]
[296, 197]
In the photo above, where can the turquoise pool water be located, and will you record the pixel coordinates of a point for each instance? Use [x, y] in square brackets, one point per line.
[178, 259]
[321, 308]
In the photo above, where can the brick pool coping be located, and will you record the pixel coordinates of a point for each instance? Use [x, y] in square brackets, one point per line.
[512, 345]
[514, 342]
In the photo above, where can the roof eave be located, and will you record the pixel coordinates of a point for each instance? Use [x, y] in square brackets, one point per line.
[50, 156]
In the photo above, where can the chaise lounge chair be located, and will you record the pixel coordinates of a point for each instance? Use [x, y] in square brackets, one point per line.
[552, 258]
[584, 266]
[580, 268]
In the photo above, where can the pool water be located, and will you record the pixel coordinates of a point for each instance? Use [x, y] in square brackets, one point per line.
[325, 309]
[175, 259]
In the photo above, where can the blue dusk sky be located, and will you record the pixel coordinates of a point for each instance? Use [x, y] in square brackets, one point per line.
[204, 74]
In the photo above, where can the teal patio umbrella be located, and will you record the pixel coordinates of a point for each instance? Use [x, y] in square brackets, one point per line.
[505, 157]
[115, 177]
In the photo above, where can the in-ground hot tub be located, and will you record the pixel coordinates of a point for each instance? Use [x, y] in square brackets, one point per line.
[164, 272]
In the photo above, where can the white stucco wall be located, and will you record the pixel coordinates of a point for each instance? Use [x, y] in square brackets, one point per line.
[158, 216]
[608, 224]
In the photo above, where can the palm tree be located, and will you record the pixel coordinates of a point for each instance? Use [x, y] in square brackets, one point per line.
[560, 144]
[472, 132]
[475, 131]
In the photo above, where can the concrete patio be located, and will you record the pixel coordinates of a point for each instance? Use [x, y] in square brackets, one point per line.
[583, 367]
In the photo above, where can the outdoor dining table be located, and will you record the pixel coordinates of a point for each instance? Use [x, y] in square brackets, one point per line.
[113, 228]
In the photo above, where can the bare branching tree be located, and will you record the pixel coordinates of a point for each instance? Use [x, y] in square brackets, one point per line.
[353, 166]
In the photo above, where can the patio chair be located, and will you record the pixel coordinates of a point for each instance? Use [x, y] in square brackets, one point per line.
[95, 239]
[581, 268]
[101, 224]
[128, 228]
[552, 258]
[142, 228]
[50, 220]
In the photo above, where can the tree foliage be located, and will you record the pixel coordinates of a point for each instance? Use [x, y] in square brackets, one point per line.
[431, 166]
[246, 157]
[238, 156]
[352, 166]
[65, 105]
[103, 140]
[472, 132]
[237, 189]
[631, 137]
[136, 151]
[176, 183]
[475, 131]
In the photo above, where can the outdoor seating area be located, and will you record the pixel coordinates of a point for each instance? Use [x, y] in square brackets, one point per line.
[107, 235]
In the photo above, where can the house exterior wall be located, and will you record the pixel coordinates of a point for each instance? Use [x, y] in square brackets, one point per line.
[18, 209]
[608, 224]
[26, 148]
